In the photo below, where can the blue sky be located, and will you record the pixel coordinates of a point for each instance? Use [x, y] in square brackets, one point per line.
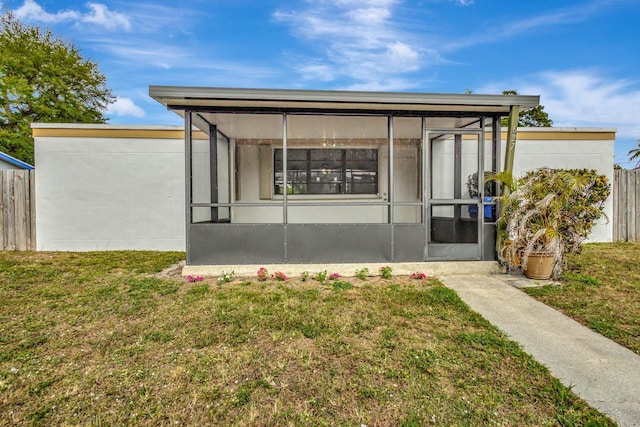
[581, 56]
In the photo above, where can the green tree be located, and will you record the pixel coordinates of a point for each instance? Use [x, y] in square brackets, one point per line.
[532, 117]
[43, 79]
[634, 154]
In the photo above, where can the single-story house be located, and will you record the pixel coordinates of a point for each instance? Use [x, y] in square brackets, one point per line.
[292, 176]
[10, 162]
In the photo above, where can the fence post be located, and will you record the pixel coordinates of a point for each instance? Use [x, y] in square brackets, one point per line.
[636, 207]
[631, 207]
[626, 205]
[32, 210]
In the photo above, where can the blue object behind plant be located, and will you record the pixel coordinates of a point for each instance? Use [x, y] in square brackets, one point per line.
[488, 209]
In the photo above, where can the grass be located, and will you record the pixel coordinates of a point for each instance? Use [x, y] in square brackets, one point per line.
[601, 289]
[99, 339]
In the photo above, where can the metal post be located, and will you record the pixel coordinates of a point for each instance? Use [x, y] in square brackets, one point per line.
[390, 189]
[495, 150]
[187, 172]
[213, 169]
[481, 189]
[285, 191]
[426, 170]
[495, 155]
[457, 178]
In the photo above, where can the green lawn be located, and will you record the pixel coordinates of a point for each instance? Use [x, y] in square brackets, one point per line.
[99, 339]
[601, 289]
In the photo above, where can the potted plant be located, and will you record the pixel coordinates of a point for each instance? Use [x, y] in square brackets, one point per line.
[549, 213]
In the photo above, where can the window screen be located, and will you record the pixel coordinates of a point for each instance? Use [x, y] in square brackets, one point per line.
[327, 171]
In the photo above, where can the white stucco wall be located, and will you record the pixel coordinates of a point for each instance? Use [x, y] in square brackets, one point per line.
[109, 193]
[97, 193]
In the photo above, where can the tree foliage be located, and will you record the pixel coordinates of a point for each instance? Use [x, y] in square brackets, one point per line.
[532, 117]
[635, 154]
[43, 78]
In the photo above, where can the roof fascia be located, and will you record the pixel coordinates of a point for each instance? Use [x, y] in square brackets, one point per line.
[201, 96]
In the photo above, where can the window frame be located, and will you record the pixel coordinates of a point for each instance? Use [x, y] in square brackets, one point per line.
[342, 167]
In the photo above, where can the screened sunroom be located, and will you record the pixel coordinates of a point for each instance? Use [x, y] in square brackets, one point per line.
[288, 176]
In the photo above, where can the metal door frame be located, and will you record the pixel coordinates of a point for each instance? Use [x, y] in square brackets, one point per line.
[429, 201]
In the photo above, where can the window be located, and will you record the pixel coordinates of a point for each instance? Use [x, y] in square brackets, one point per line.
[328, 171]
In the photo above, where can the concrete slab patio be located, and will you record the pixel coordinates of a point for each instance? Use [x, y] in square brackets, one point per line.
[603, 373]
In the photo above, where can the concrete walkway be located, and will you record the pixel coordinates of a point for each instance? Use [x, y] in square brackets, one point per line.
[603, 373]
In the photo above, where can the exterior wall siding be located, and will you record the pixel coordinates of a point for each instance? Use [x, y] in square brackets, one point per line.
[109, 193]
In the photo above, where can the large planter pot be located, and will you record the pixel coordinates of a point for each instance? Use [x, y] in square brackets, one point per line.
[539, 266]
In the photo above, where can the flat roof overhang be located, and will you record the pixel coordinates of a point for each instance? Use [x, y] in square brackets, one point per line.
[240, 99]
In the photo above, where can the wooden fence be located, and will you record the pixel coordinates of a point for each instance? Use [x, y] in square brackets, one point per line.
[17, 210]
[626, 205]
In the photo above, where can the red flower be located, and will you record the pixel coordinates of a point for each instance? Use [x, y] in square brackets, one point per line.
[263, 274]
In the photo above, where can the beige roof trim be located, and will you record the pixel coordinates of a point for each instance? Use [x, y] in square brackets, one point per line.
[105, 131]
[583, 134]
[66, 130]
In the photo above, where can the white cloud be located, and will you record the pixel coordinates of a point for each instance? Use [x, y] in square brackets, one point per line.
[176, 64]
[101, 15]
[148, 54]
[322, 72]
[512, 26]
[362, 40]
[124, 106]
[154, 18]
[552, 18]
[366, 3]
[32, 11]
[388, 85]
[98, 14]
[403, 55]
[585, 98]
[370, 15]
